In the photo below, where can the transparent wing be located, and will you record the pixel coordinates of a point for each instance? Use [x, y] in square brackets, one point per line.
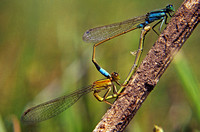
[101, 33]
[53, 107]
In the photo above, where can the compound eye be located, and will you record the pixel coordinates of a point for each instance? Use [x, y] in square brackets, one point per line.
[116, 74]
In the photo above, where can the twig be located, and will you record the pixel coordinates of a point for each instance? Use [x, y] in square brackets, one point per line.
[152, 67]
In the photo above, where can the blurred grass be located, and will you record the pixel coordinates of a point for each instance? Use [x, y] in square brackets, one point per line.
[42, 56]
[189, 82]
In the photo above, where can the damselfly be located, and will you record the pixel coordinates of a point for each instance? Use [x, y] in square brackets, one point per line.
[99, 35]
[54, 107]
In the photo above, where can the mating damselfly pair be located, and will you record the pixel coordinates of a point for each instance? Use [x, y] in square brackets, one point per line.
[98, 36]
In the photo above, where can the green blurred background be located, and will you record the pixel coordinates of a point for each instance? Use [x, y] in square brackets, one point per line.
[42, 56]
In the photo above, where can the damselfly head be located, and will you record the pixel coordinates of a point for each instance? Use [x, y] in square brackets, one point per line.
[170, 8]
[115, 76]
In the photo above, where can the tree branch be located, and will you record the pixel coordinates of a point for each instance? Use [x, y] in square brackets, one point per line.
[152, 67]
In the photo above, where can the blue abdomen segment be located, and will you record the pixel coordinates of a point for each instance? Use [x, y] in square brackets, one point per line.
[101, 70]
[104, 72]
